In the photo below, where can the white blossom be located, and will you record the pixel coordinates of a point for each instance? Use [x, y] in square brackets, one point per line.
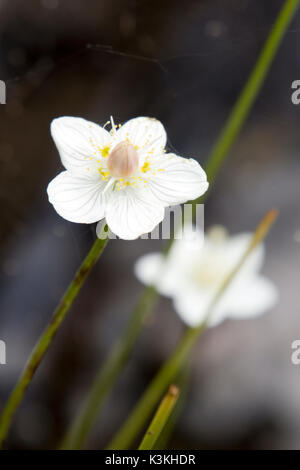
[194, 270]
[124, 175]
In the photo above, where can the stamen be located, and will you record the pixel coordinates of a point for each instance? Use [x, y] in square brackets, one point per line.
[113, 127]
[149, 144]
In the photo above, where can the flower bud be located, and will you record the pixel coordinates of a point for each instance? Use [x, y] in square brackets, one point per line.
[123, 160]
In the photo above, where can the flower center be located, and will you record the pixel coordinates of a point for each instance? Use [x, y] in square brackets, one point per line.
[209, 273]
[123, 160]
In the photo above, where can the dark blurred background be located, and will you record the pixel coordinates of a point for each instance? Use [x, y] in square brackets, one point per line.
[184, 63]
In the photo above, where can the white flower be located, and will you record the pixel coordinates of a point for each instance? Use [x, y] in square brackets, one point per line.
[194, 271]
[123, 175]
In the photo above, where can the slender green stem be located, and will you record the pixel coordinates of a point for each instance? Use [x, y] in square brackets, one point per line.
[160, 419]
[47, 336]
[140, 415]
[251, 89]
[147, 403]
[182, 381]
[106, 379]
[108, 374]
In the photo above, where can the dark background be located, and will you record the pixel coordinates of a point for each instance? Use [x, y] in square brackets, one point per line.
[184, 63]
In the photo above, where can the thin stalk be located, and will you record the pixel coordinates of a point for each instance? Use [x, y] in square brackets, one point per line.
[252, 87]
[108, 374]
[48, 335]
[182, 381]
[160, 419]
[106, 379]
[140, 415]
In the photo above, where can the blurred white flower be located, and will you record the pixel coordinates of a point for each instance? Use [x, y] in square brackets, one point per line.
[194, 271]
[123, 175]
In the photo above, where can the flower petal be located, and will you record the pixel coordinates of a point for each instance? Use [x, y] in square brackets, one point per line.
[144, 132]
[234, 249]
[252, 298]
[176, 179]
[244, 298]
[153, 269]
[78, 141]
[169, 273]
[130, 214]
[191, 305]
[76, 198]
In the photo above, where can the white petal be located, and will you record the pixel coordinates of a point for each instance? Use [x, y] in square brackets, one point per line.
[240, 301]
[144, 132]
[76, 198]
[78, 141]
[176, 179]
[154, 269]
[192, 304]
[169, 273]
[147, 267]
[187, 249]
[130, 214]
[252, 298]
[235, 248]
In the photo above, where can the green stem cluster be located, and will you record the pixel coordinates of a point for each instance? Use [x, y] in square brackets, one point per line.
[109, 373]
[106, 378]
[141, 413]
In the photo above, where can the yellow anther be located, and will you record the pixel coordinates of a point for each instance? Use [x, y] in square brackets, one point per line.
[145, 167]
[105, 151]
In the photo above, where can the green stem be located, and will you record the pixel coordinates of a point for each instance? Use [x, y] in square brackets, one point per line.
[147, 403]
[251, 89]
[140, 415]
[47, 336]
[106, 379]
[182, 381]
[160, 419]
[109, 373]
